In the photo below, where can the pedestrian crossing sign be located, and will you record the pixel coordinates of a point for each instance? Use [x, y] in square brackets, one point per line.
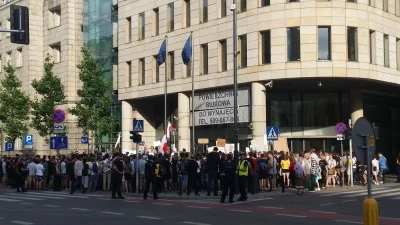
[138, 126]
[272, 133]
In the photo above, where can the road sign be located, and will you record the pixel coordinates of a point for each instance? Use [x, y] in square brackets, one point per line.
[272, 133]
[138, 126]
[9, 146]
[28, 140]
[340, 137]
[59, 116]
[58, 142]
[363, 127]
[58, 128]
[340, 128]
[84, 140]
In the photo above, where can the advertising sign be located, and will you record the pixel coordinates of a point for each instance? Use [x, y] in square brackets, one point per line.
[220, 99]
[220, 116]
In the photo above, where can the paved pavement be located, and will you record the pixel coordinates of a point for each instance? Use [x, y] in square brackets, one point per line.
[328, 207]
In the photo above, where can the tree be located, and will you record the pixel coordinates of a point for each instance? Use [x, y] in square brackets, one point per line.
[95, 99]
[51, 93]
[14, 105]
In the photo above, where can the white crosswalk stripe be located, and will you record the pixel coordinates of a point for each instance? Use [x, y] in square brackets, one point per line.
[40, 196]
[381, 192]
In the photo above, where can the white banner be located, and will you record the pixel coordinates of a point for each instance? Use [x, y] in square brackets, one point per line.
[220, 99]
[220, 116]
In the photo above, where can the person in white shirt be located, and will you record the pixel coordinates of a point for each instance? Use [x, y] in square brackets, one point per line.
[32, 175]
[39, 168]
[375, 170]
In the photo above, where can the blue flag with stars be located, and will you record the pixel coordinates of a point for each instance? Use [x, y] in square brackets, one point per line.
[162, 53]
[187, 51]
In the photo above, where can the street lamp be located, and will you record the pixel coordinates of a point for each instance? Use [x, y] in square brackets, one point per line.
[235, 85]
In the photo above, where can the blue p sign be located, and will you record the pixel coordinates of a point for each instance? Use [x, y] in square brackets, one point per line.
[28, 140]
[9, 146]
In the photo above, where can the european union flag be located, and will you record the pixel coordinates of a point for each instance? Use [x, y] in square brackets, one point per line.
[162, 53]
[187, 51]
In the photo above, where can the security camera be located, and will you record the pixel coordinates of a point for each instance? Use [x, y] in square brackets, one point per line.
[270, 84]
[233, 7]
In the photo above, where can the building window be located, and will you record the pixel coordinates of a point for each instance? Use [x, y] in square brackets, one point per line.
[324, 43]
[142, 21]
[171, 17]
[8, 58]
[128, 30]
[266, 47]
[293, 0]
[189, 69]
[372, 3]
[293, 42]
[242, 5]
[204, 11]
[352, 44]
[156, 69]
[8, 27]
[186, 13]
[386, 50]
[354, 1]
[171, 66]
[128, 71]
[397, 53]
[265, 3]
[222, 8]
[19, 58]
[242, 51]
[204, 59]
[223, 52]
[156, 19]
[386, 5]
[372, 47]
[55, 17]
[56, 53]
[142, 72]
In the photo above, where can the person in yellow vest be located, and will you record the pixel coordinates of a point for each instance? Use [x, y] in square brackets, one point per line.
[243, 171]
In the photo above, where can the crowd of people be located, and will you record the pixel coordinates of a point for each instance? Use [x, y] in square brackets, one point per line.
[184, 173]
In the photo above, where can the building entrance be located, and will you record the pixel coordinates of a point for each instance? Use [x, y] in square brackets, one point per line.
[297, 145]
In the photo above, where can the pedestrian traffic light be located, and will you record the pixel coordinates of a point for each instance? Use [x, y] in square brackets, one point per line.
[135, 137]
[19, 21]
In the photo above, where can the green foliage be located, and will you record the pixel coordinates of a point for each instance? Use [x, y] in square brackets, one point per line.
[51, 93]
[14, 105]
[94, 106]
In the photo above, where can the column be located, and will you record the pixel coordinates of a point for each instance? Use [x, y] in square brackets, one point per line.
[126, 126]
[183, 122]
[259, 114]
[356, 105]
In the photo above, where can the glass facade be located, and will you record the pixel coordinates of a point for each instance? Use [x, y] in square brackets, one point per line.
[100, 21]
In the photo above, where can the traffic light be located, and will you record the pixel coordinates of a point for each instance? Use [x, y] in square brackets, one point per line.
[135, 137]
[19, 20]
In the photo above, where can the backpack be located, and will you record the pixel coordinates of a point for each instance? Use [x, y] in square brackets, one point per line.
[182, 166]
[95, 168]
[263, 165]
[160, 170]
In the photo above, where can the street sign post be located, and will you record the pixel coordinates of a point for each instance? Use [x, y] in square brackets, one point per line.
[59, 116]
[363, 135]
[272, 133]
[58, 142]
[84, 140]
[28, 141]
[340, 130]
[9, 146]
[138, 126]
[58, 128]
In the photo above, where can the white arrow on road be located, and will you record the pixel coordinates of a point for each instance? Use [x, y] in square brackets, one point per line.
[54, 142]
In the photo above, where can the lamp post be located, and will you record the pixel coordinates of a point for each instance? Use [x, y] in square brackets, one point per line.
[235, 85]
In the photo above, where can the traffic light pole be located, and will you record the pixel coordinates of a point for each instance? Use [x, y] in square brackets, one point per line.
[137, 168]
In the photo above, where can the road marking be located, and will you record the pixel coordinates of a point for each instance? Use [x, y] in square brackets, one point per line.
[113, 213]
[161, 204]
[149, 217]
[348, 221]
[36, 196]
[347, 192]
[50, 195]
[9, 200]
[21, 222]
[79, 209]
[238, 210]
[198, 207]
[298, 216]
[253, 200]
[322, 212]
[267, 207]
[352, 200]
[24, 198]
[131, 201]
[389, 218]
[27, 203]
[386, 195]
[51, 206]
[374, 193]
[327, 204]
[1, 218]
[194, 223]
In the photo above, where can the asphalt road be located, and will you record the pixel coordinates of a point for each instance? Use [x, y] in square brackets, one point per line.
[333, 206]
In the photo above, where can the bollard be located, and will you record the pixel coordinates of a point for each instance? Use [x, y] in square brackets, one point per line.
[371, 216]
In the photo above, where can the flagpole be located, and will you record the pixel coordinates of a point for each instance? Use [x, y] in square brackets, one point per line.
[165, 87]
[192, 71]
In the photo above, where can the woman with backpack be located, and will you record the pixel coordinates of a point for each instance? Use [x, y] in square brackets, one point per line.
[262, 172]
[127, 175]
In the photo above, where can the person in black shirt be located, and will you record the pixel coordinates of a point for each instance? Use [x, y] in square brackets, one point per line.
[52, 171]
[228, 175]
[212, 165]
[150, 174]
[174, 166]
[20, 172]
[192, 167]
[116, 177]
[167, 176]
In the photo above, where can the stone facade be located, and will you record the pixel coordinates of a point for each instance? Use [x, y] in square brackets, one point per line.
[55, 29]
